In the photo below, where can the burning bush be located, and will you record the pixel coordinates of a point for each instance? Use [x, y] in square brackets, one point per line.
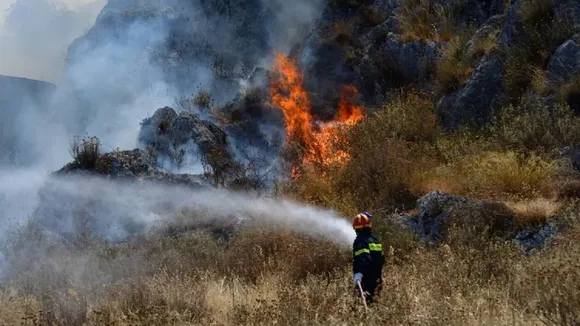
[317, 139]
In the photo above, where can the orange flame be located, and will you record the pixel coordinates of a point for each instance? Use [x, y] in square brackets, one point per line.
[318, 138]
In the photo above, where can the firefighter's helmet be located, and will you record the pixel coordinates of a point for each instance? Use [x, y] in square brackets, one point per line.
[361, 221]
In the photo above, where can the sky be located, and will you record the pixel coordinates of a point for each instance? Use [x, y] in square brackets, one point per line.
[35, 34]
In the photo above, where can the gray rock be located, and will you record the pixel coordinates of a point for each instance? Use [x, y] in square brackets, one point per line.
[433, 209]
[170, 135]
[414, 59]
[438, 211]
[387, 5]
[512, 28]
[474, 12]
[565, 63]
[132, 163]
[534, 238]
[492, 25]
[473, 104]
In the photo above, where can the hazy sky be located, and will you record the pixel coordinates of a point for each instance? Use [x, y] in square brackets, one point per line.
[34, 34]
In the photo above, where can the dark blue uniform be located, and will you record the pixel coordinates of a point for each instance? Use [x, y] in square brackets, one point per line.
[368, 259]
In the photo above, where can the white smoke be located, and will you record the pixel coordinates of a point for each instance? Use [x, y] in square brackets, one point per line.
[117, 210]
[109, 86]
[35, 34]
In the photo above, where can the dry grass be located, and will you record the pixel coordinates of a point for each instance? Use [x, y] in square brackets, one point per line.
[484, 46]
[493, 175]
[518, 127]
[425, 20]
[452, 285]
[544, 32]
[454, 66]
[534, 211]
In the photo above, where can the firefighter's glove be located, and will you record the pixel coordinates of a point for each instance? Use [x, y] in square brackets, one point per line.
[357, 278]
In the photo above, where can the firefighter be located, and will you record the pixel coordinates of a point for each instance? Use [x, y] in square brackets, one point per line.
[368, 258]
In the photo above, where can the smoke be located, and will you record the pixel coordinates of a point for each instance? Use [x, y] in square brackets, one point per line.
[35, 34]
[118, 210]
[138, 56]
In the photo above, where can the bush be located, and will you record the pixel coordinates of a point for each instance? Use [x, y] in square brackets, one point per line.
[544, 31]
[425, 20]
[497, 175]
[484, 46]
[386, 151]
[453, 65]
[520, 128]
[85, 152]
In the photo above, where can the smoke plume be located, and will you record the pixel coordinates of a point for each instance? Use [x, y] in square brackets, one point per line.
[138, 56]
[35, 34]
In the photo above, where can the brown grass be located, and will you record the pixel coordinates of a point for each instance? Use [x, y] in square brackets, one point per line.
[534, 211]
[518, 127]
[455, 284]
[484, 46]
[454, 65]
[425, 20]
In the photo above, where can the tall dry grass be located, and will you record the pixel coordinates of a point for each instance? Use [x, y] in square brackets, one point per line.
[295, 280]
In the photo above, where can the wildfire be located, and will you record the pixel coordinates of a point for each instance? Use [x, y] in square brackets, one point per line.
[318, 138]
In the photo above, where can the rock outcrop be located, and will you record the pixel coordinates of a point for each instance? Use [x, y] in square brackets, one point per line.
[473, 104]
[439, 213]
[564, 65]
[184, 136]
[133, 165]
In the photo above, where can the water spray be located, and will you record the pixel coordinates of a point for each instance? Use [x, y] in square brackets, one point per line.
[119, 209]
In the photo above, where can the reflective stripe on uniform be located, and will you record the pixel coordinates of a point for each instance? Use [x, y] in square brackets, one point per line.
[375, 247]
[362, 251]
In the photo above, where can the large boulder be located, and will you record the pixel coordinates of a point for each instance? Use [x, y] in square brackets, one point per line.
[184, 136]
[473, 104]
[132, 165]
[565, 62]
[439, 213]
[414, 59]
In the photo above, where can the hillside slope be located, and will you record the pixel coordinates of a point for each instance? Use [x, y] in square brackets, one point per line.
[455, 123]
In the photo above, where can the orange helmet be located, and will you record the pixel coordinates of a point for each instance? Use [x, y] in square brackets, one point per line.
[361, 221]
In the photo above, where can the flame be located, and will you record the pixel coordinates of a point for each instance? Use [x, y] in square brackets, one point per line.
[318, 138]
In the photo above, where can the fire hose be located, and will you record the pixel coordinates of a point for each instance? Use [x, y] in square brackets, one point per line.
[362, 295]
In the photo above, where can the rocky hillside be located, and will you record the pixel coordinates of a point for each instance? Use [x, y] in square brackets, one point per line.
[471, 56]
[19, 97]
